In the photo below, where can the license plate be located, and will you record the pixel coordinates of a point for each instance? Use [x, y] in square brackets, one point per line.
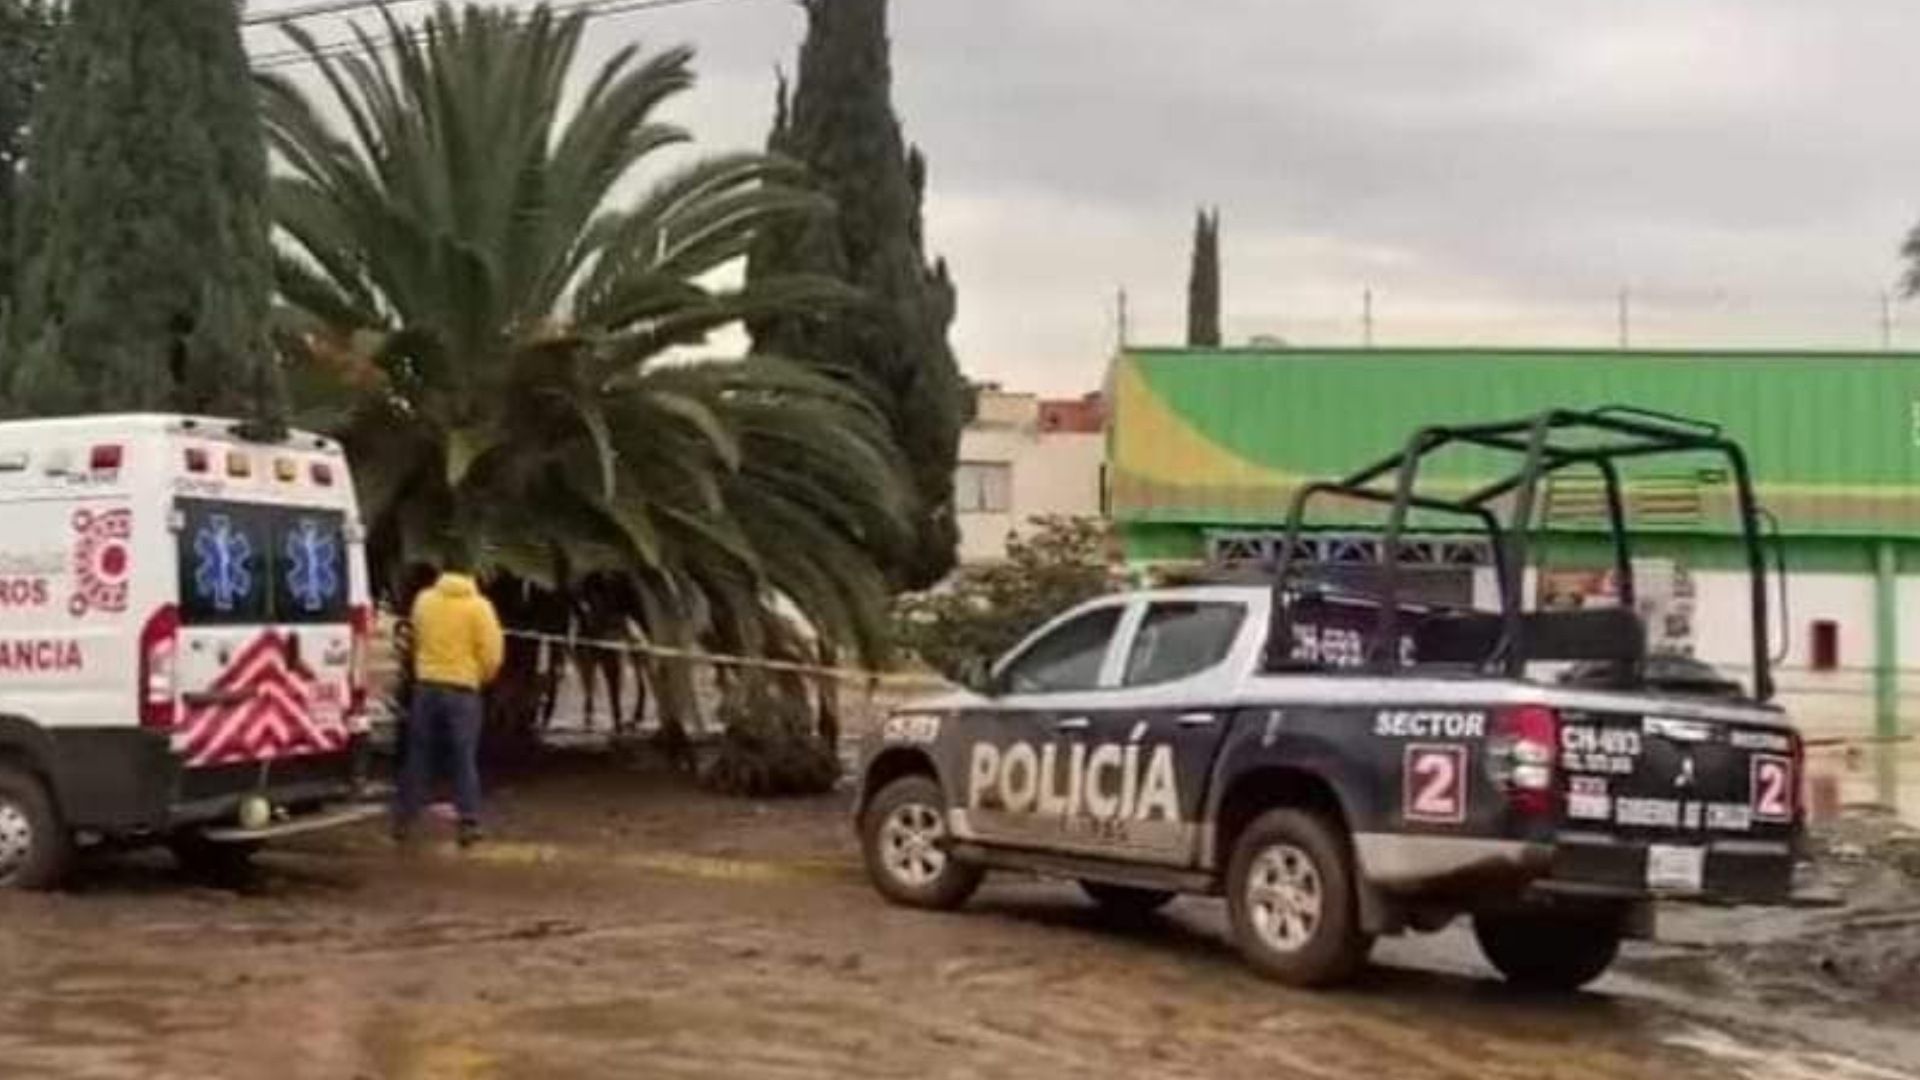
[1676, 869]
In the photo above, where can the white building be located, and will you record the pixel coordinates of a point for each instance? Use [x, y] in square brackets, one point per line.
[1024, 457]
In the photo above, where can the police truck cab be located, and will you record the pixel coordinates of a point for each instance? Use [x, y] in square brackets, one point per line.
[1342, 762]
[184, 624]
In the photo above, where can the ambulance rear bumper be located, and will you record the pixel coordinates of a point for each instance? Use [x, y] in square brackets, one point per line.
[314, 821]
[296, 787]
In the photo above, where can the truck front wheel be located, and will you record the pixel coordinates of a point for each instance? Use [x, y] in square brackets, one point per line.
[1554, 951]
[1292, 900]
[35, 847]
[903, 836]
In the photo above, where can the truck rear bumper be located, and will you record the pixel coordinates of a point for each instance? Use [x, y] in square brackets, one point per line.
[1593, 866]
[1735, 871]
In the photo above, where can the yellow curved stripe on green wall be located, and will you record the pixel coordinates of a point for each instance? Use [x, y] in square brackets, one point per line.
[1157, 445]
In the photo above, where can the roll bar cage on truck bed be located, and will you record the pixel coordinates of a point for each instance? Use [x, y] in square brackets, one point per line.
[1545, 444]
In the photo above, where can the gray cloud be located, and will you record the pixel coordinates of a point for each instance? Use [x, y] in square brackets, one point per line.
[1494, 169]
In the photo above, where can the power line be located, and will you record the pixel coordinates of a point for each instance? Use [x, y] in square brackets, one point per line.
[312, 11]
[592, 9]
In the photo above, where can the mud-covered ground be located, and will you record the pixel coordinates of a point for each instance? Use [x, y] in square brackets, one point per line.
[623, 926]
[1860, 961]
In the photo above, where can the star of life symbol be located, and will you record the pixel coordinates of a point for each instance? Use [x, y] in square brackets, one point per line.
[221, 576]
[312, 561]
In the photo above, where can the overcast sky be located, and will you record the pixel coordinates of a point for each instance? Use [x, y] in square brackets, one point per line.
[1496, 171]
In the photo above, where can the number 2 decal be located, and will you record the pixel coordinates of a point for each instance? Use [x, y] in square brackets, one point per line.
[1772, 788]
[1435, 788]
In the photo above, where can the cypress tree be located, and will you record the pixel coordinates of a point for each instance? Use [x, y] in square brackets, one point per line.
[147, 272]
[839, 121]
[26, 34]
[1203, 283]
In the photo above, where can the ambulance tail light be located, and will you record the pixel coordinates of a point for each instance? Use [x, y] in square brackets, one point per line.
[358, 674]
[159, 655]
[1521, 754]
[105, 458]
[322, 474]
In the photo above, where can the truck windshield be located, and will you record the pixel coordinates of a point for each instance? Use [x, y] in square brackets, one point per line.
[245, 563]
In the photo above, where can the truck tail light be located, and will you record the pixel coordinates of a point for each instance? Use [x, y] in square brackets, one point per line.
[358, 674]
[1521, 754]
[159, 654]
[1798, 782]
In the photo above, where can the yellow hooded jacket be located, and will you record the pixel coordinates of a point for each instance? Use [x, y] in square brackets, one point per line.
[456, 635]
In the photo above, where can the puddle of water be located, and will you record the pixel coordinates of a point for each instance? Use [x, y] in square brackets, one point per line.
[1774, 1063]
[667, 862]
[414, 1046]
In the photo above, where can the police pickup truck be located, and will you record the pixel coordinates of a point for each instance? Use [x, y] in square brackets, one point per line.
[1343, 763]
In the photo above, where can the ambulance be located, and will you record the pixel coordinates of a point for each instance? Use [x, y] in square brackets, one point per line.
[184, 623]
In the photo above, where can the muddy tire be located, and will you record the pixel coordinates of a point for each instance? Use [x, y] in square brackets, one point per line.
[216, 863]
[36, 850]
[903, 838]
[1125, 901]
[1292, 900]
[1550, 951]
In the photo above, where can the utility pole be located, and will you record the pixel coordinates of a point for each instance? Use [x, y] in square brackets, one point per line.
[1886, 321]
[1120, 320]
[1626, 335]
[1366, 317]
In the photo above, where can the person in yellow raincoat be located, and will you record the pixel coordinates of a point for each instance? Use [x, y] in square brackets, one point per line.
[457, 650]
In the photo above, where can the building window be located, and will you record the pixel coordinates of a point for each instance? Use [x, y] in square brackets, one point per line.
[983, 487]
[1826, 645]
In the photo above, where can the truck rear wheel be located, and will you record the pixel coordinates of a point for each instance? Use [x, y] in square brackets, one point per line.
[36, 849]
[1556, 951]
[903, 837]
[1292, 900]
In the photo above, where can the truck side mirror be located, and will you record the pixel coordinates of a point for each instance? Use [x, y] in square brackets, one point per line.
[976, 674]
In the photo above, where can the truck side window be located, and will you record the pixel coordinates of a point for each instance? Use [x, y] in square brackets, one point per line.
[1068, 658]
[1181, 638]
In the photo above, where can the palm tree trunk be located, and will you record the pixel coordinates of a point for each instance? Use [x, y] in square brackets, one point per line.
[771, 746]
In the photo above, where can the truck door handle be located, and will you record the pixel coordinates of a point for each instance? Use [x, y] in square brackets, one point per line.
[1196, 719]
[1073, 723]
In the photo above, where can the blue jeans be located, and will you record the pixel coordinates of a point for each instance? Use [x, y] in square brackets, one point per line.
[441, 716]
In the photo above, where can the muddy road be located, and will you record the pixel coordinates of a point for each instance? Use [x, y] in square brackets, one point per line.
[624, 926]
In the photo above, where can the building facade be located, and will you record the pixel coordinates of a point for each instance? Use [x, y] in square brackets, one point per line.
[1207, 448]
[1024, 457]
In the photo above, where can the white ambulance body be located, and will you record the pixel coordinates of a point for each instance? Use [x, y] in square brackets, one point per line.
[183, 628]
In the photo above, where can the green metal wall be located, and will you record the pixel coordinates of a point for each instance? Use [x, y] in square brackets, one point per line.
[1220, 437]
